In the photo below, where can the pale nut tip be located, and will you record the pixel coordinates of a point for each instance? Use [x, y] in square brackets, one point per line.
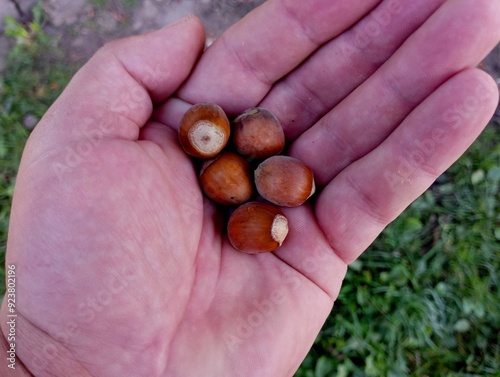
[313, 189]
[279, 228]
[206, 138]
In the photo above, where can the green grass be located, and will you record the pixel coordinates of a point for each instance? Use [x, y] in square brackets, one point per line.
[35, 76]
[422, 301]
[126, 4]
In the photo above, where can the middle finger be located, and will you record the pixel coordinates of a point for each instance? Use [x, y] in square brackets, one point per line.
[341, 65]
[458, 36]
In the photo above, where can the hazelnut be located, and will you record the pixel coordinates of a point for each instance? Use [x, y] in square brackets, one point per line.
[258, 134]
[284, 181]
[204, 130]
[257, 227]
[227, 179]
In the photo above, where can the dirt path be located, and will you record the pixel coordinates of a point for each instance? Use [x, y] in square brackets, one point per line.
[84, 25]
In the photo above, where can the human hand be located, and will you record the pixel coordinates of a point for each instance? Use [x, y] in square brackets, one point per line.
[123, 267]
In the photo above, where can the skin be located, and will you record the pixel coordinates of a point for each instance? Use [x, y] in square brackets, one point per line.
[122, 266]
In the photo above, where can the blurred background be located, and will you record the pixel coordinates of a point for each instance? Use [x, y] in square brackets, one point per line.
[422, 301]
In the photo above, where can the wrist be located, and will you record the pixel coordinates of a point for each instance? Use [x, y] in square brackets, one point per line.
[36, 352]
[10, 365]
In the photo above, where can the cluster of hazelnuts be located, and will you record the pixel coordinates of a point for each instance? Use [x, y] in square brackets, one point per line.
[228, 177]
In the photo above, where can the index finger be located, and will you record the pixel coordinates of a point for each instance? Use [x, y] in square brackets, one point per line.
[114, 93]
[238, 70]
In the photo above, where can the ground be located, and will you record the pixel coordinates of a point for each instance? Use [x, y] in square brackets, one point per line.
[83, 26]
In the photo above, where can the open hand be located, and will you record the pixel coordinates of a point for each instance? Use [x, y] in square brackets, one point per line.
[123, 267]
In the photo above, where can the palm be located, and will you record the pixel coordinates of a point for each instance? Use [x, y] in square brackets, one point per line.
[135, 261]
[164, 271]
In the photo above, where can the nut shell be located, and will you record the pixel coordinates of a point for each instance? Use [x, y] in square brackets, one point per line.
[227, 179]
[204, 130]
[257, 228]
[257, 134]
[284, 181]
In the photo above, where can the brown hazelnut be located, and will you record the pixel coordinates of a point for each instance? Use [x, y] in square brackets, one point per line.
[227, 179]
[258, 134]
[284, 181]
[257, 227]
[204, 130]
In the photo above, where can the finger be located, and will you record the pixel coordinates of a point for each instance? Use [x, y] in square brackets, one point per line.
[306, 94]
[337, 68]
[240, 67]
[171, 112]
[456, 37]
[354, 208]
[114, 93]
[307, 251]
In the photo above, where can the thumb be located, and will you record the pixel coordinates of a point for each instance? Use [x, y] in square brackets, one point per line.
[116, 90]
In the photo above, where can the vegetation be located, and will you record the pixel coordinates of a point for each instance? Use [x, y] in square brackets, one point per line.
[422, 301]
[35, 76]
[125, 4]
